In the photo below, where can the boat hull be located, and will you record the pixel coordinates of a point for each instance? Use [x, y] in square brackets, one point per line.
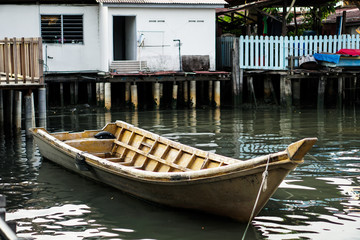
[232, 195]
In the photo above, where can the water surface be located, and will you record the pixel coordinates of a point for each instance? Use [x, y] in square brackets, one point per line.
[315, 201]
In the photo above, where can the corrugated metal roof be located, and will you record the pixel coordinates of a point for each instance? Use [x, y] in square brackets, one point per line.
[196, 2]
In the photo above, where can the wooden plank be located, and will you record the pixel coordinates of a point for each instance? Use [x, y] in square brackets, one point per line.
[31, 62]
[15, 52]
[6, 59]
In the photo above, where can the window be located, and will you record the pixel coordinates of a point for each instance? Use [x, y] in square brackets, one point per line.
[62, 28]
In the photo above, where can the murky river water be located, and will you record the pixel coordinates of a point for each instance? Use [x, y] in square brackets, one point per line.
[314, 202]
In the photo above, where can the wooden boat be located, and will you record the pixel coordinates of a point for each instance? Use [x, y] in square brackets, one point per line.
[157, 169]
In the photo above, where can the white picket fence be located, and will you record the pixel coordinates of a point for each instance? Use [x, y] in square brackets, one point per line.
[272, 53]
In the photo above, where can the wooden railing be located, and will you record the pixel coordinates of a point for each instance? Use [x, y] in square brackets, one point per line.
[21, 61]
[272, 53]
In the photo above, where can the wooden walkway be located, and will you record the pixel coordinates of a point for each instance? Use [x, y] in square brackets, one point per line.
[21, 63]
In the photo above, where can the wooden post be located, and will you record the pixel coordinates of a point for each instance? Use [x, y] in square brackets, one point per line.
[174, 95]
[1, 107]
[251, 90]
[340, 92]
[98, 94]
[193, 94]
[267, 89]
[217, 94]
[72, 93]
[321, 92]
[42, 104]
[186, 93]
[127, 94]
[285, 91]
[62, 95]
[18, 103]
[134, 96]
[237, 74]
[76, 92]
[210, 93]
[296, 91]
[156, 94]
[108, 96]
[89, 92]
[9, 107]
[102, 94]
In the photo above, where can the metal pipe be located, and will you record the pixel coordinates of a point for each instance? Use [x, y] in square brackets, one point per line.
[179, 42]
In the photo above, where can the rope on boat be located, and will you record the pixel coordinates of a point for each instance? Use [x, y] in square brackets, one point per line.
[263, 187]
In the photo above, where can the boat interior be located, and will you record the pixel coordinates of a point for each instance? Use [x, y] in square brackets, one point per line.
[143, 150]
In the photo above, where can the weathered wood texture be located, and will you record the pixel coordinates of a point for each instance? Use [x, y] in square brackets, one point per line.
[21, 61]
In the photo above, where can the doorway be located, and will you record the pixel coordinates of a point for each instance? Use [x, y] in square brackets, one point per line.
[124, 38]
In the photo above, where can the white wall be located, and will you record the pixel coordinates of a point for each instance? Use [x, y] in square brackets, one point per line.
[197, 38]
[24, 21]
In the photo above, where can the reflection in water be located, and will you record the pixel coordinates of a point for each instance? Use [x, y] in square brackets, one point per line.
[316, 201]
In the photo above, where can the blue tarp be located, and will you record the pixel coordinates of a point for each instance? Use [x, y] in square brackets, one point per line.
[333, 58]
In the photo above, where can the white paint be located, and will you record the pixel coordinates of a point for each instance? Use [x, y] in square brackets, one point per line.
[161, 26]
[195, 27]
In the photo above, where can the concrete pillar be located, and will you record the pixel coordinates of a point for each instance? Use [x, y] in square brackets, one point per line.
[42, 103]
[134, 96]
[193, 94]
[108, 96]
[29, 110]
[76, 92]
[62, 104]
[174, 96]
[127, 93]
[186, 93]
[156, 94]
[217, 93]
[18, 103]
[89, 93]
[237, 75]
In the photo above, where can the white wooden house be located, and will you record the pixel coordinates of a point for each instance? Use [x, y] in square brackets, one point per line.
[88, 36]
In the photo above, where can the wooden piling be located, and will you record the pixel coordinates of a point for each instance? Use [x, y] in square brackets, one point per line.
[210, 93]
[267, 89]
[237, 74]
[18, 103]
[285, 91]
[89, 92]
[186, 93]
[9, 107]
[1, 107]
[102, 94]
[107, 91]
[97, 94]
[217, 94]
[193, 94]
[341, 81]
[174, 96]
[156, 94]
[134, 96]
[321, 92]
[296, 91]
[72, 93]
[251, 90]
[127, 94]
[62, 104]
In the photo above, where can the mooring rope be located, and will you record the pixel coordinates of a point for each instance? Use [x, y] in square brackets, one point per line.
[263, 187]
